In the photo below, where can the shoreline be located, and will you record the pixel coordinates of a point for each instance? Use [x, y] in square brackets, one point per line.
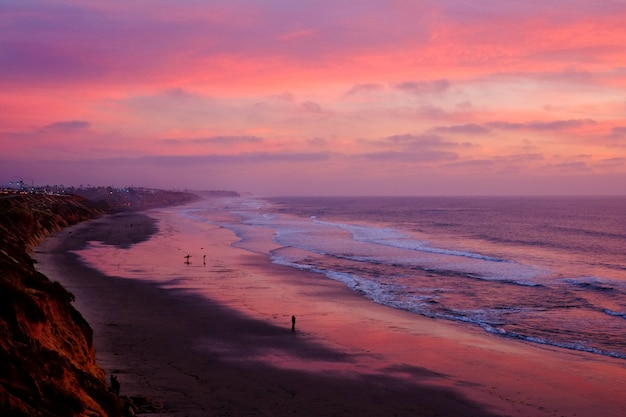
[234, 352]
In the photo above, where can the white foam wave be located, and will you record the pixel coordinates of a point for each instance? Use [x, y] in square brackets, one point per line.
[594, 283]
[396, 239]
[389, 295]
[621, 314]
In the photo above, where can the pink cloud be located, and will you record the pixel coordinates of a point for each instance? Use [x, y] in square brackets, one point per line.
[300, 91]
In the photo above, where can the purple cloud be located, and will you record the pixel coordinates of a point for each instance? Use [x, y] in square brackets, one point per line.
[542, 126]
[569, 166]
[618, 132]
[218, 140]
[229, 140]
[613, 162]
[466, 129]
[68, 125]
[242, 158]
[418, 156]
[311, 107]
[424, 141]
[506, 163]
[423, 87]
[363, 89]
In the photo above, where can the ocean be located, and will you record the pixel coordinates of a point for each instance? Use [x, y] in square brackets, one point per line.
[548, 270]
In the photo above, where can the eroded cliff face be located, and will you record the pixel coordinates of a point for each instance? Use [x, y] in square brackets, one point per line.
[47, 359]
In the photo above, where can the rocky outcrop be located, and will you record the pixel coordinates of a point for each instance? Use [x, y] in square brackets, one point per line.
[47, 359]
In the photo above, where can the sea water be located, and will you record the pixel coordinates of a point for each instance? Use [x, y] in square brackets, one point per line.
[549, 270]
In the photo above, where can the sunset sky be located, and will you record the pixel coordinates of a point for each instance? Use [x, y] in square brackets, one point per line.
[319, 97]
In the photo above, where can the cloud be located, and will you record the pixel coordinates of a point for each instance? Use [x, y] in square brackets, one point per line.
[84, 80]
[213, 140]
[515, 163]
[238, 159]
[431, 112]
[35, 61]
[226, 140]
[423, 87]
[178, 92]
[618, 132]
[298, 35]
[408, 148]
[66, 129]
[425, 141]
[466, 129]
[523, 157]
[318, 141]
[311, 107]
[568, 167]
[230, 140]
[364, 89]
[538, 126]
[418, 156]
[616, 137]
[613, 162]
[67, 125]
[542, 126]
[472, 165]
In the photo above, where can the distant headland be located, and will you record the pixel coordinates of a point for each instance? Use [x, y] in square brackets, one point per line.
[113, 199]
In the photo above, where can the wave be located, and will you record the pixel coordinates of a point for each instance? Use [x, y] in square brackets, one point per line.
[581, 347]
[386, 294]
[615, 313]
[391, 237]
[592, 283]
[401, 270]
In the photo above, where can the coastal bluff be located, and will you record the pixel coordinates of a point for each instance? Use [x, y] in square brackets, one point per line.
[47, 357]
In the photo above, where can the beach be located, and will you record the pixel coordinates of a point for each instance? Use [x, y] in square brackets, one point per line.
[229, 349]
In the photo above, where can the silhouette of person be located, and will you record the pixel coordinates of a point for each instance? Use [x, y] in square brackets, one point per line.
[293, 323]
[204, 259]
[115, 385]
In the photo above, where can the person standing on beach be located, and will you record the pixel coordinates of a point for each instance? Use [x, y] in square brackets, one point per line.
[293, 323]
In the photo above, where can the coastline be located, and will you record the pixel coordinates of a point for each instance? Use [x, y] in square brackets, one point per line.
[234, 352]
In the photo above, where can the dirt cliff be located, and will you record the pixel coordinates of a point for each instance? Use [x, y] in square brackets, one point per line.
[47, 359]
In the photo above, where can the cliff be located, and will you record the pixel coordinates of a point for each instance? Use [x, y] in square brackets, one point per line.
[133, 198]
[47, 359]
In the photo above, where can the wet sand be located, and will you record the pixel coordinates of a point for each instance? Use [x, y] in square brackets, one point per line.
[228, 350]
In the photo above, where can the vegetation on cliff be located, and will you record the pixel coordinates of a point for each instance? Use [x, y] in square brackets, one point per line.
[47, 359]
[113, 199]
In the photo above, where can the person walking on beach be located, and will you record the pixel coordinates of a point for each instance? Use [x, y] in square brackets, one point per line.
[293, 323]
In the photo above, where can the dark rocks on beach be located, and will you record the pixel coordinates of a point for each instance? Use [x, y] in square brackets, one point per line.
[134, 405]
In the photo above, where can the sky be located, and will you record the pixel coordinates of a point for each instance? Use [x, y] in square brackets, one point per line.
[316, 97]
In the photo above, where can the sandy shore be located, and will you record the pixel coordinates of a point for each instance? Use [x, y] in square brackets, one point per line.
[231, 351]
